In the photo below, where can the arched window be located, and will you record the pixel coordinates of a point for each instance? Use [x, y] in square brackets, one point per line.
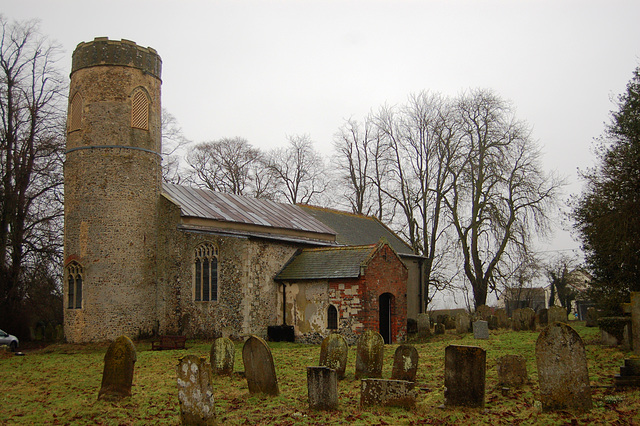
[74, 285]
[332, 318]
[75, 116]
[205, 281]
[140, 109]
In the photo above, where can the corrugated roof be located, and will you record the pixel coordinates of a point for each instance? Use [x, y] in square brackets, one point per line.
[202, 203]
[354, 229]
[324, 263]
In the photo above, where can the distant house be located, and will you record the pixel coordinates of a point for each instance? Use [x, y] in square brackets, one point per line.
[524, 297]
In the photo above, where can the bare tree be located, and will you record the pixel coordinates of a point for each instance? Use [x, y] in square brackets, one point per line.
[173, 144]
[31, 157]
[229, 165]
[500, 193]
[298, 171]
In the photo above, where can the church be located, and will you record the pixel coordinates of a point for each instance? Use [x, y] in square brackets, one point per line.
[145, 258]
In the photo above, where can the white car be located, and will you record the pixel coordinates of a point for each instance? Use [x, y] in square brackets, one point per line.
[9, 340]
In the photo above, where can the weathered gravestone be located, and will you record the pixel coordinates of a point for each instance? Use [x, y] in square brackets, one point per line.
[369, 355]
[512, 371]
[449, 322]
[543, 317]
[333, 353]
[464, 376]
[492, 322]
[523, 319]
[503, 318]
[592, 316]
[322, 387]
[117, 376]
[424, 325]
[483, 312]
[195, 391]
[562, 369]
[258, 367]
[635, 321]
[463, 323]
[438, 328]
[481, 330]
[557, 314]
[396, 393]
[223, 356]
[405, 363]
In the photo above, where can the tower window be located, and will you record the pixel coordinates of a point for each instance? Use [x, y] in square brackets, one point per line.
[75, 116]
[140, 110]
[74, 285]
[205, 283]
[332, 318]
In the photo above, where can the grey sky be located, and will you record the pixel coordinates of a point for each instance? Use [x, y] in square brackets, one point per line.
[266, 69]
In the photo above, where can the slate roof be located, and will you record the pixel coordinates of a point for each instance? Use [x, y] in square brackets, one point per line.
[330, 262]
[354, 229]
[205, 204]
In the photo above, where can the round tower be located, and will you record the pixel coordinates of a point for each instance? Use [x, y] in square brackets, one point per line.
[112, 181]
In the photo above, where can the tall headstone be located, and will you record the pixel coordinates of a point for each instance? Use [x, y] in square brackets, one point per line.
[463, 323]
[503, 318]
[635, 321]
[396, 393]
[195, 391]
[333, 353]
[117, 376]
[223, 356]
[562, 369]
[481, 330]
[464, 376]
[592, 317]
[405, 363]
[424, 325]
[369, 355]
[557, 314]
[543, 317]
[258, 367]
[322, 387]
[512, 371]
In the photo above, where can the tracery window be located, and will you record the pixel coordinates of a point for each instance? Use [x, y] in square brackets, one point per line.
[332, 318]
[206, 273]
[75, 273]
[75, 117]
[140, 109]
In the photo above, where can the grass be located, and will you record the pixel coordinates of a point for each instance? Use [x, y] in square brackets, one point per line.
[59, 385]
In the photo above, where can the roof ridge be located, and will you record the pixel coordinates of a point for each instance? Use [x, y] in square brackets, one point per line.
[337, 248]
[329, 209]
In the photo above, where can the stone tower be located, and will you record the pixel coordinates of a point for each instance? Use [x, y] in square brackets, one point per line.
[112, 180]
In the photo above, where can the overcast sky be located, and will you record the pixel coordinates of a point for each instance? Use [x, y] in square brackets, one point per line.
[265, 69]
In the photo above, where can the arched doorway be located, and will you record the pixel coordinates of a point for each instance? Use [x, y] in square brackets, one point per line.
[385, 302]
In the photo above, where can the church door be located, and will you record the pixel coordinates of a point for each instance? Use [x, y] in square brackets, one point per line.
[384, 303]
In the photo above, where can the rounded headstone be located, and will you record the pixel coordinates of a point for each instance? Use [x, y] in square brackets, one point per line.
[222, 355]
[117, 376]
[258, 367]
[195, 391]
[405, 363]
[369, 355]
[333, 353]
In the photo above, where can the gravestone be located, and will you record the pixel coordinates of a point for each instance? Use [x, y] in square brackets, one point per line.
[117, 376]
[562, 369]
[481, 330]
[369, 355]
[438, 328]
[483, 312]
[592, 316]
[333, 353]
[635, 322]
[464, 376]
[629, 374]
[195, 391]
[395, 393]
[449, 322]
[322, 387]
[258, 367]
[503, 318]
[523, 319]
[463, 323]
[405, 363]
[223, 356]
[493, 322]
[543, 317]
[512, 371]
[557, 314]
[424, 325]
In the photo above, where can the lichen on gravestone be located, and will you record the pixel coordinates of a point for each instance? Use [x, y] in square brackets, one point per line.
[333, 353]
[117, 376]
[405, 363]
[369, 355]
[222, 356]
[195, 391]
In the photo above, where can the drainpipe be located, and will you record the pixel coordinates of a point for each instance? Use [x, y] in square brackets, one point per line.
[420, 283]
[284, 304]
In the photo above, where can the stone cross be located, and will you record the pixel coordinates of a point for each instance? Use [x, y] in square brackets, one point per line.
[405, 363]
[195, 391]
[223, 356]
[369, 355]
[512, 371]
[464, 376]
[117, 376]
[562, 369]
[333, 353]
[397, 393]
[322, 387]
[258, 367]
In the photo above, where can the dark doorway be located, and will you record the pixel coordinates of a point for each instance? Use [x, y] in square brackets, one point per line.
[384, 302]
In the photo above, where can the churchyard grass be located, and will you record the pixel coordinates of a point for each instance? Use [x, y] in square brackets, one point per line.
[59, 385]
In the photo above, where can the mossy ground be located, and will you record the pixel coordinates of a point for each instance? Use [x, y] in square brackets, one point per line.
[59, 385]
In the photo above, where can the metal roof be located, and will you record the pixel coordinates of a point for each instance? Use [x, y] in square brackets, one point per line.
[325, 263]
[205, 204]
